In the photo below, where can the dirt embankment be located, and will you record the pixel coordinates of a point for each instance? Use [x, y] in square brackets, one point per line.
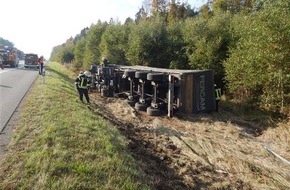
[212, 151]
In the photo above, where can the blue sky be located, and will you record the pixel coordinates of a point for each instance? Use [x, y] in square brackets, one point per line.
[36, 26]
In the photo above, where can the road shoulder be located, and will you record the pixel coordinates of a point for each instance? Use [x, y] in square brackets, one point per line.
[6, 134]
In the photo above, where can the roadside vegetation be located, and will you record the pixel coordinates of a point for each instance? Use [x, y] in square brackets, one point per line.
[60, 144]
[244, 42]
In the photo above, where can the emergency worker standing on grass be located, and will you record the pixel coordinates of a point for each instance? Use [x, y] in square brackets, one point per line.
[40, 61]
[83, 83]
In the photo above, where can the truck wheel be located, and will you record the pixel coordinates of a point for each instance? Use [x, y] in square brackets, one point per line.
[140, 107]
[153, 112]
[141, 75]
[129, 73]
[104, 92]
[158, 77]
[130, 102]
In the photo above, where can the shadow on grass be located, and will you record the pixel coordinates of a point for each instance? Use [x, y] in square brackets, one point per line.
[65, 77]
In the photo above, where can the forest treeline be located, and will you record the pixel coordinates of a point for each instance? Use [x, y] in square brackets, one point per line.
[245, 42]
[4, 42]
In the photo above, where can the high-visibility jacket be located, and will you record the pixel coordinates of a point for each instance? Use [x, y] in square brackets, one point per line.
[218, 93]
[83, 81]
[40, 60]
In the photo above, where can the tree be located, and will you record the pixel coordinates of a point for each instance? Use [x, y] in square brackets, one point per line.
[68, 51]
[258, 67]
[172, 13]
[79, 52]
[159, 8]
[148, 43]
[185, 11]
[6, 42]
[233, 6]
[207, 41]
[54, 56]
[205, 11]
[176, 51]
[141, 14]
[114, 43]
[220, 5]
[81, 35]
[92, 52]
[68, 56]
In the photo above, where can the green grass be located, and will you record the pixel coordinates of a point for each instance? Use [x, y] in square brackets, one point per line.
[60, 144]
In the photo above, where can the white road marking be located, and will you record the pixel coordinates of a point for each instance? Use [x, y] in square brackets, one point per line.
[5, 70]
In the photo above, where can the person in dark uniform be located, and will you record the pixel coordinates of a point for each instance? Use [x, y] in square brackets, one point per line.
[105, 62]
[218, 94]
[41, 62]
[83, 83]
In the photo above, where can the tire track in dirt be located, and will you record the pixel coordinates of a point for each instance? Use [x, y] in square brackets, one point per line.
[159, 150]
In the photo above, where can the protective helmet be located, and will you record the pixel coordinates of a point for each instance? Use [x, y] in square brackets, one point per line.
[87, 73]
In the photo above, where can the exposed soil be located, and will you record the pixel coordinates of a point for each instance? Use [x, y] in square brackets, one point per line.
[187, 151]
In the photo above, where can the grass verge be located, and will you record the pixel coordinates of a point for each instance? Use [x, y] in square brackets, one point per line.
[60, 144]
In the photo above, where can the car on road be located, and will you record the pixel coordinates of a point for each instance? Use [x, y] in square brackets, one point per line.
[31, 61]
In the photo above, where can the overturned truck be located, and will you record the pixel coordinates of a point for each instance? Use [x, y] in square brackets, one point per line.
[158, 91]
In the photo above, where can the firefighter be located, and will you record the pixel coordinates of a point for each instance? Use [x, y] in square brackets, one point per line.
[41, 61]
[104, 62]
[83, 83]
[218, 93]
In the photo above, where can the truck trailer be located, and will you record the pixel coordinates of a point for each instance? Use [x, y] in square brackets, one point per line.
[157, 90]
[9, 55]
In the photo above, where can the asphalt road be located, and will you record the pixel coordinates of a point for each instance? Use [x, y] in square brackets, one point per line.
[14, 83]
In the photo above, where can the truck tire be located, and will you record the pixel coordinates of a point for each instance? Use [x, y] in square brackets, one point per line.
[141, 75]
[140, 107]
[153, 112]
[104, 92]
[158, 77]
[129, 73]
[130, 102]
